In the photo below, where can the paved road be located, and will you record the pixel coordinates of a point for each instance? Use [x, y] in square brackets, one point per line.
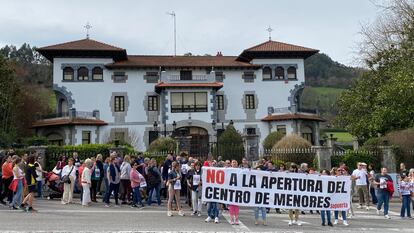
[52, 216]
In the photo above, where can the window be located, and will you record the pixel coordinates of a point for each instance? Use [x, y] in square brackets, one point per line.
[220, 102]
[83, 74]
[280, 73]
[153, 103]
[267, 73]
[86, 137]
[189, 102]
[249, 99]
[308, 137]
[219, 76]
[251, 131]
[119, 104]
[97, 73]
[67, 73]
[119, 77]
[186, 75]
[120, 136]
[248, 76]
[281, 128]
[291, 72]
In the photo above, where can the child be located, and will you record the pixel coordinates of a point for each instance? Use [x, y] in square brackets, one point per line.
[405, 189]
[233, 209]
[326, 213]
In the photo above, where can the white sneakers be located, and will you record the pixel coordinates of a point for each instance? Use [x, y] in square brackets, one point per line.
[367, 208]
[169, 213]
[335, 222]
[199, 214]
[387, 216]
[359, 206]
[378, 212]
[216, 220]
[181, 213]
[290, 223]
[345, 223]
[208, 219]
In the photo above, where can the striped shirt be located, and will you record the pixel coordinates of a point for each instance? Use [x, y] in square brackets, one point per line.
[405, 188]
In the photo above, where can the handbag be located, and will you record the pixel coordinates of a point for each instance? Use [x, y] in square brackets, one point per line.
[66, 178]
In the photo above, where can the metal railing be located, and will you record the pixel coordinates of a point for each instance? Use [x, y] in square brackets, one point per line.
[75, 114]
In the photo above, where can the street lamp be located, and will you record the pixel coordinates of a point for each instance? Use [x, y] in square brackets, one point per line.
[155, 126]
[231, 122]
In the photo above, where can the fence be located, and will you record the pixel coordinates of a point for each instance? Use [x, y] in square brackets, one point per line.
[295, 155]
[352, 157]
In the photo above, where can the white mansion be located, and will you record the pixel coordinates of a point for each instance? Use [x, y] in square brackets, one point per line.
[104, 94]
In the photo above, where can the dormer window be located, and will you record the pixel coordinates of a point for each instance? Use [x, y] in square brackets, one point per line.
[68, 74]
[291, 72]
[267, 73]
[280, 73]
[97, 73]
[83, 74]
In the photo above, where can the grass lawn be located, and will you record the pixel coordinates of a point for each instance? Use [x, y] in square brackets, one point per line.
[342, 136]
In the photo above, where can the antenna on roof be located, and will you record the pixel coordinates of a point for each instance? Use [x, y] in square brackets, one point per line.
[172, 13]
[269, 29]
[87, 27]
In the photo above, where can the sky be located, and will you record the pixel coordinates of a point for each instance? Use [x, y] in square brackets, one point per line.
[203, 27]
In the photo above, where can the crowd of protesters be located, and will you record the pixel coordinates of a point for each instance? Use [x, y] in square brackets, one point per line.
[138, 182]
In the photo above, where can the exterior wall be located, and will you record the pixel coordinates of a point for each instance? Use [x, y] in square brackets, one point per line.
[137, 121]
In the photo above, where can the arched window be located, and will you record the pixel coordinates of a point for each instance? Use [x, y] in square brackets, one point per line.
[280, 73]
[97, 73]
[67, 73]
[267, 73]
[291, 72]
[83, 74]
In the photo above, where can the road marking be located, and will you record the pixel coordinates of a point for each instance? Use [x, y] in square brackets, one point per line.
[298, 221]
[239, 228]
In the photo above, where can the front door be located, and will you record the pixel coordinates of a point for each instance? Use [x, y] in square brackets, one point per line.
[193, 140]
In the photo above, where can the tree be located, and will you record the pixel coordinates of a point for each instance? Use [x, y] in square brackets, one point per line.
[230, 144]
[271, 139]
[383, 100]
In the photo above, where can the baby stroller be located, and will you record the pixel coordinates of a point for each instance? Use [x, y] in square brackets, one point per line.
[54, 185]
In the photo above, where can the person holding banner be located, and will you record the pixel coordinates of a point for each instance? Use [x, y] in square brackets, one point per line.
[343, 172]
[326, 213]
[174, 188]
[234, 209]
[194, 184]
[294, 169]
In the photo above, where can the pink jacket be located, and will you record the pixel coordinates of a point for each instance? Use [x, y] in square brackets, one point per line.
[134, 177]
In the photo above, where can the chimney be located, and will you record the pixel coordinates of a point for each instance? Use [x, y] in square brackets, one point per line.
[219, 54]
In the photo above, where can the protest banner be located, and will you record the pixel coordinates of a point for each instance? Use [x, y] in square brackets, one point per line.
[255, 188]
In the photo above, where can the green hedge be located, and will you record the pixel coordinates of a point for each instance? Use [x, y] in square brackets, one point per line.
[53, 153]
[351, 158]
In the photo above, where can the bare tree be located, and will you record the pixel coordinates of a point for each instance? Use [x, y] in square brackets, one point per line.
[388, 30]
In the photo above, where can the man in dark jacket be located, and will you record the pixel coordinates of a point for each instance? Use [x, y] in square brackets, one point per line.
[154, 181]
[30, 176]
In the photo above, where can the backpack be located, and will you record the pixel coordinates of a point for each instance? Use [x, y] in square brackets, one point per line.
[390, 187]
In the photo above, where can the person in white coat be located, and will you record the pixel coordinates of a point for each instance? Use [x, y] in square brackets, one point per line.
[70, 171]
[86, 183]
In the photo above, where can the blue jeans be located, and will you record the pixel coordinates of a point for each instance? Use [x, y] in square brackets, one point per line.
[373, 195]
[106, 188]
[137, 197]
[156, 188]
[383, 198]
[39, 188]
[212, 210]
[17, 198]
[115, 188]
[257, 210]
[343, 213]
[327, 213]
[405, 208]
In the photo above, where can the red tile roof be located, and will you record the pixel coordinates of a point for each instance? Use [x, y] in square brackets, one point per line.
[212, 85]
[293, 116]
[143, 61]
[276, 46]
[85, 44]
[67, 121]
[275, 49]
[83, 48]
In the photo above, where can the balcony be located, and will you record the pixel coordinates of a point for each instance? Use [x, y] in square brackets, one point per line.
[72, 117]
[72, 113]
[194, 78]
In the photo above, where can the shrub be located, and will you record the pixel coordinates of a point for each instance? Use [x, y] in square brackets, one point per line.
[36, 141]
[292, 141]
[163, 144]
[231, 144]
[351, 158]
[272, 139]
[53, 153]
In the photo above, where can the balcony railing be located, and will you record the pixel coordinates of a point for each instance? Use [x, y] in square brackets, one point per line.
[71, 114]
[188, 108]
[195, 78]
